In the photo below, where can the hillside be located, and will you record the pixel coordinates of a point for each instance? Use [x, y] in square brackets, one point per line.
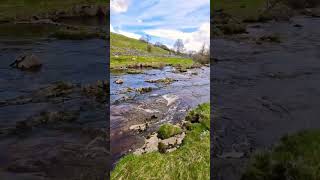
[122, 45]
[131, 53]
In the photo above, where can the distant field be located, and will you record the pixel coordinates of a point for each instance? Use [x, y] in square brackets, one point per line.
[9, 9]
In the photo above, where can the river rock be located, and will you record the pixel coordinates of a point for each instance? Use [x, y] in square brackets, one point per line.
[139, 127]
[27, 62]
[175, 140]
[151, 145]
[119, 81]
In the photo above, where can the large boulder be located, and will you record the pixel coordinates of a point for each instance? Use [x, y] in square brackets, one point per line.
[27, 62]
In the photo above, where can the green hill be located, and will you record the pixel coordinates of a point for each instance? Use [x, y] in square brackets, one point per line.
[121, 44]
[132, 53]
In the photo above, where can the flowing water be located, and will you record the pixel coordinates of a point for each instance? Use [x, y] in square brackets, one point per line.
[165, 103]
[264, 91]
[58, 149]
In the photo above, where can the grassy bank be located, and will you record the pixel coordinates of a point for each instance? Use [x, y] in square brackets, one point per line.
[190, 161]
[295, 157]
[12, 9]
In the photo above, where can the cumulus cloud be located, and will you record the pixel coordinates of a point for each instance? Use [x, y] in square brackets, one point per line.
[193, 41]
[119, 6]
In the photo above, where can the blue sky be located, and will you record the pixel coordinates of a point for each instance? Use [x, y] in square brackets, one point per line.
[164, 20]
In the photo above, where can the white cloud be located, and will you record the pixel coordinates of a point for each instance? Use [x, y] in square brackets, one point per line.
[111, 28]
[129, 34]
[119, 6]
[192, 40]
[125, 33]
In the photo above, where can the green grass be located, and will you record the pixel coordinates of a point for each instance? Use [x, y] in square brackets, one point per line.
[11, 9]
[240, 8]
[120, 44]
[168, 130]
[296, 157]
[154, 62]
[190, 161]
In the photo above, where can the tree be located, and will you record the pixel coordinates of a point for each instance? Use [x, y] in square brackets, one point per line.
[179, 46]
[145, 38]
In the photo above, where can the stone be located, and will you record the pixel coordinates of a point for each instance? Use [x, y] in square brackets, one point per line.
[139, 127]
[27, 62]
[119, 81]
[150, 145]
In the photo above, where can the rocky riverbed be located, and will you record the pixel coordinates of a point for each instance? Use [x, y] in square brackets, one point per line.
[136, 114]
[263, 90]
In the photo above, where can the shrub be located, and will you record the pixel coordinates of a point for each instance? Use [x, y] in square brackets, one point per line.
[168, 130]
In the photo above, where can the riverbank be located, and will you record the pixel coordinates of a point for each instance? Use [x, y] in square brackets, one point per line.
[189, 161]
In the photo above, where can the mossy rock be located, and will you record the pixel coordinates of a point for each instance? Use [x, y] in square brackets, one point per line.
[168, 130]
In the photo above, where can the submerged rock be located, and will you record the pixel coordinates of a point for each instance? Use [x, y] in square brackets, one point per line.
[139, 127]
[119, 81]
[27, 62]
[232, 154]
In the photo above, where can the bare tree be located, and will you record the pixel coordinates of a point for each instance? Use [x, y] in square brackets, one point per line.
[179, 46]
[145, 38]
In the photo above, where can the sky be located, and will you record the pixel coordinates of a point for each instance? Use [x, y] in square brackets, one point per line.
[164, 20]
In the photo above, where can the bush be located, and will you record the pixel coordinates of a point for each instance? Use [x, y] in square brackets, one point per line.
[168, 130]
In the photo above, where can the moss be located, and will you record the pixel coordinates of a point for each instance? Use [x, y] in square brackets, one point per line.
[164, 81]
[168, 130]
[162, 147]
[295, 157]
